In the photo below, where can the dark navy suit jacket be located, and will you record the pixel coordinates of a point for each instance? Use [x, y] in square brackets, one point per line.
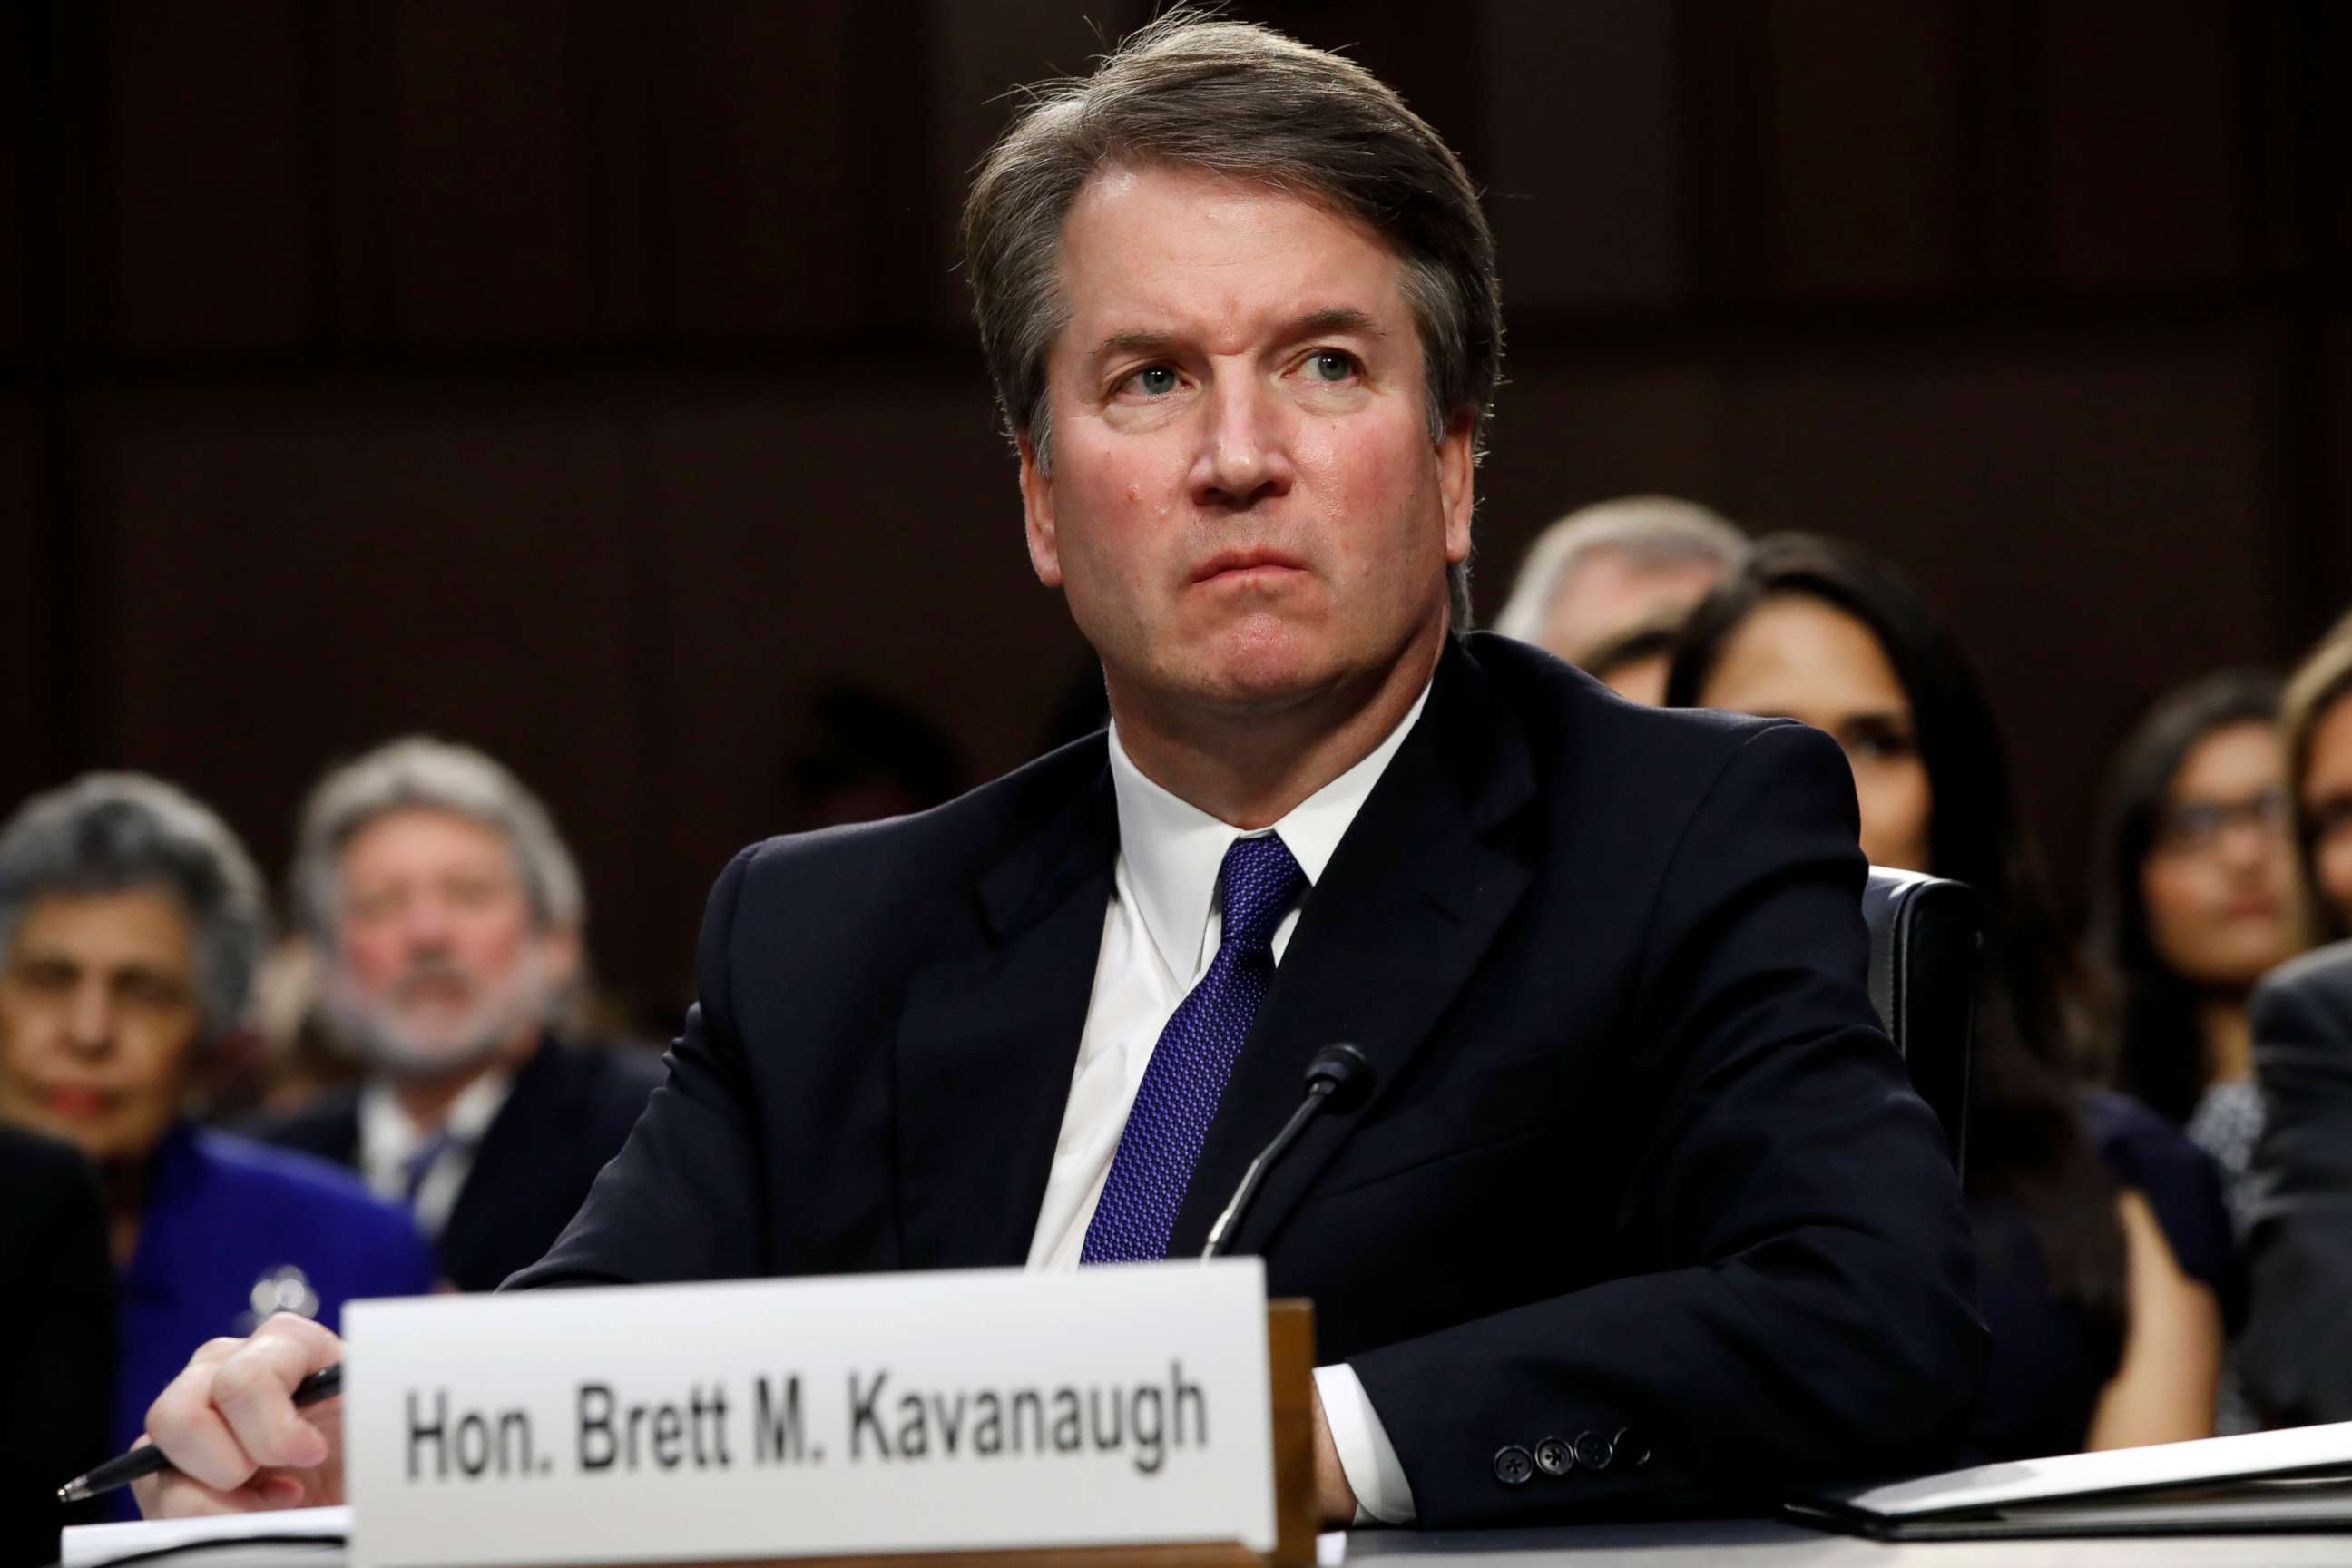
[566, 1115]
[1639, 1160]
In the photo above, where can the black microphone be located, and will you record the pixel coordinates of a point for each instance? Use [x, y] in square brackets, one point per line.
[1339, 1079]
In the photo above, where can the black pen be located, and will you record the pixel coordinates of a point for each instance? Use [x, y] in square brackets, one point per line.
[120, 1471]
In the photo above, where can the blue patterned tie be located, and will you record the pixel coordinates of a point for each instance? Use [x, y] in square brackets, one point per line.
[1193, 1058]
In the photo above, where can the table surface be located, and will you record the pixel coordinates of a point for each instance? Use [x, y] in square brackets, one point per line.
[1765, 1543]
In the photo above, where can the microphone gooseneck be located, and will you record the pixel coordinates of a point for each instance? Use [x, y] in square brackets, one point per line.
[1339, 1079]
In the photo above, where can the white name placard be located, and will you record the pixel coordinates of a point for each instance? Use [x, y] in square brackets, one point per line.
[985, 1410]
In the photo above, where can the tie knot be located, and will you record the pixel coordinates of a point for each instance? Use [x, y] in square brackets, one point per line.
[1257, 884]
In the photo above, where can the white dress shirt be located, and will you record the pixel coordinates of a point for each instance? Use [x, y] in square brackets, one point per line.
[1159, 933]
[388, 1139]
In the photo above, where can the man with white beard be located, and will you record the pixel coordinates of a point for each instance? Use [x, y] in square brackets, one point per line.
[450, 916]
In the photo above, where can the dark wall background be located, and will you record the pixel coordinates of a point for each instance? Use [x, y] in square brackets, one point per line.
[588, 379]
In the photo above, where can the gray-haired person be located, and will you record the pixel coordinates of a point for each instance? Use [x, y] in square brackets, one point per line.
[449, 915]
[1641, 1208]
[130, 922]
[1607, 586]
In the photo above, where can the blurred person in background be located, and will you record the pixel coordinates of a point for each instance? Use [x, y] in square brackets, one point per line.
[2195, 900]
[450, 915]
[57, 1339]
[2316, 717]
[2292, 1359]
[2295, 1359]
[2104, 1254]
[1607, 587]
[862, 757]
[130, 922]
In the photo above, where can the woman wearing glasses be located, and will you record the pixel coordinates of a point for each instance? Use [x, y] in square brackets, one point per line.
[2195, 900]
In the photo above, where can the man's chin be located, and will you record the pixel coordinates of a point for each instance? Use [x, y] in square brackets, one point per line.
[425, 1059]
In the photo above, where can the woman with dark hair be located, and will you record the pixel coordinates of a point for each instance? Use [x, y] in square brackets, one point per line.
[2194, 901]
[2104, 1257]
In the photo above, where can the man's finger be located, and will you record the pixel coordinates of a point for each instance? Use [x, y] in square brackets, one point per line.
[183, 1424]
[253, 1391]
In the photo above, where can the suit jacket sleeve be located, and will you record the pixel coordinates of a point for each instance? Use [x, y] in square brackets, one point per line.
[683, 1199]
[57, 1356]
[1804, 1305]
[2299, 1248]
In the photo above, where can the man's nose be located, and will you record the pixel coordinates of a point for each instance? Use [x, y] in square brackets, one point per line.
[1244, 453]
[424, 923]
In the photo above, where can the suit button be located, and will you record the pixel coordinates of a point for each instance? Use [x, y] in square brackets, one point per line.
[1631, 1447]
[1593, 1451]
[1513, 1466]
[1554, 1458]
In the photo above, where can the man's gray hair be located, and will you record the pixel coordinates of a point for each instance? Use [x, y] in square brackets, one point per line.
[419, 774]
[1655, 530]
[113, 832]
[1234, 97]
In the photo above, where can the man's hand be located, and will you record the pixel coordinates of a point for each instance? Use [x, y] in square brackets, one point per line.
[228, 1423]
[1335, 1499]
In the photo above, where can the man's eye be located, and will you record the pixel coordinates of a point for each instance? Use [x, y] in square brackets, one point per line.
[149, 990]
[43, 976]
[1330, 364]
[1153, 381]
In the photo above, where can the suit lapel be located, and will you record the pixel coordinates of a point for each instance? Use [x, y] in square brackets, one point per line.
[517, 1137]
[1404, 913]
[987, 1045]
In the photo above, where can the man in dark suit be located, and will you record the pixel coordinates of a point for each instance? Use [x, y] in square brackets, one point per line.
[2293, 1356]
[1643, 1210]
[449, 915]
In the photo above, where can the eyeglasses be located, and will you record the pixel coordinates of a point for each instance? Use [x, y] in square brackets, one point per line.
[2198, 824]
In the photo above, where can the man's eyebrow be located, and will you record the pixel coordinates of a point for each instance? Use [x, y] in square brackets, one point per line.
[1337, 319]
[1331, 321]
[1133, 343]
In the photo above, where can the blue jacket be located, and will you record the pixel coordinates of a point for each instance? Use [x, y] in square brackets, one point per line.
[225, 1215]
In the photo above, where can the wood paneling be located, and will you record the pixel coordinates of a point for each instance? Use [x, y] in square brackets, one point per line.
[1581, 118]
[19, 110]
[759, 158]
[1864, 122]
[802, 539]
[488, 193]
[209, 237]
[2144, 143]
[26, 663]
[297, 578]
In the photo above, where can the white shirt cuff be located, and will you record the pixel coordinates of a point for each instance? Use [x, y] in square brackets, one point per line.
[1366, 1456]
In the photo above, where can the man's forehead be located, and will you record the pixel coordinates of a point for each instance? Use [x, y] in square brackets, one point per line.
[1171, 249]
[421, 834]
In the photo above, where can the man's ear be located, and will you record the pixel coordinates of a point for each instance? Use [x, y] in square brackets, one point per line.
[1037, 516]
[1457, 472]
[560, 947]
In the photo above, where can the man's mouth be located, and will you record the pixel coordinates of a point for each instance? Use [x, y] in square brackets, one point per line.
[1246, 564]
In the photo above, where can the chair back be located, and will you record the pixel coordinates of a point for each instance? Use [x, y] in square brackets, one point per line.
[1926, 941]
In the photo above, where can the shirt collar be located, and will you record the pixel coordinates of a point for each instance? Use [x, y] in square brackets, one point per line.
[387, 1136]
[1174, 849]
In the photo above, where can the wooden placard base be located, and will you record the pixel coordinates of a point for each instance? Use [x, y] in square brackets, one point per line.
[1290, 1364]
